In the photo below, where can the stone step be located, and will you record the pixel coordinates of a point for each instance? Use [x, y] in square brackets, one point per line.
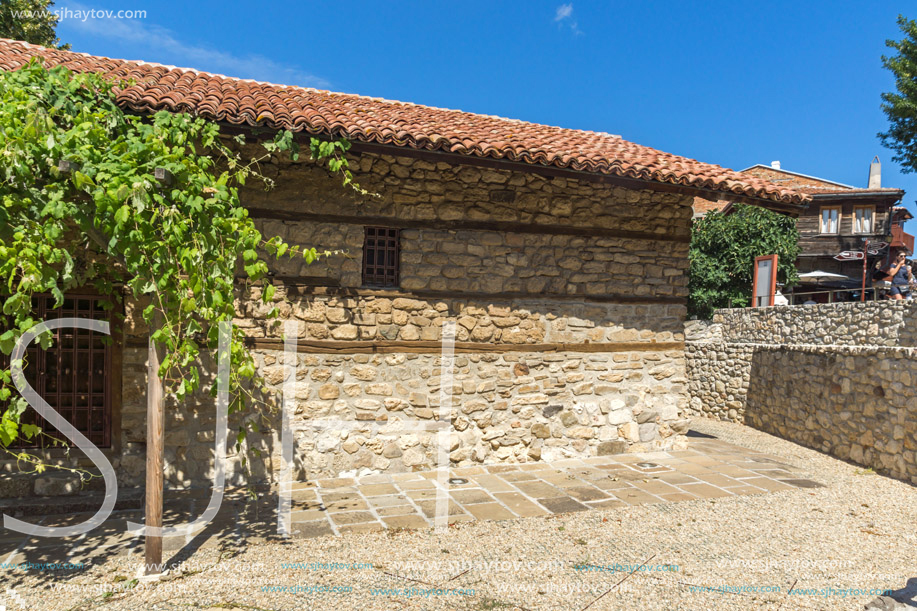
[88, 501]
[49, 484]
[85, 502]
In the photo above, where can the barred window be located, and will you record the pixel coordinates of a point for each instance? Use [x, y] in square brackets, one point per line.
[381, 254]
[73, 375]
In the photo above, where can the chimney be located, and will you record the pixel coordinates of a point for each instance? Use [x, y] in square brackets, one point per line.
[875, 174]
[775, 165]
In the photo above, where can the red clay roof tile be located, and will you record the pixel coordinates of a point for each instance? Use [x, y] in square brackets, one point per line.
[360, 118]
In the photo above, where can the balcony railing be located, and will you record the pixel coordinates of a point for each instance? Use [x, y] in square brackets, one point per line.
[901, 238]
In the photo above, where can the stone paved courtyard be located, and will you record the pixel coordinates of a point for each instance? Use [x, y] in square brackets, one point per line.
[710, 469]
[829, 536]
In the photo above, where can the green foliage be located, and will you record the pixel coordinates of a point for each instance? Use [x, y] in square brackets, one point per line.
[176, 246]
[31, 21]
[723, 251]
[901, 107]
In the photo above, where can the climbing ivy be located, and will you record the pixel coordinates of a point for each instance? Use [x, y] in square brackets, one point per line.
[81, 206]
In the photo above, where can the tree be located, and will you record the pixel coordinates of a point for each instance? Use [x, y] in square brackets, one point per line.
[901, 107]
[31, 21]
[103, 219]
[722, 254]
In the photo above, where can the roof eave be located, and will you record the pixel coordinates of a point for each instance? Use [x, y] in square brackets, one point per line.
[784, 207]
[895, 194]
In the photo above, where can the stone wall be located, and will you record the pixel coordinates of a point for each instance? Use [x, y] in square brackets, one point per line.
[525, 398]
[513, 407]
[718, 375]
[497, 321]
[479, 230]
[878, 323]
[839, 378]
[856, 403]
[493, 261]
[436, 193]
[568, 298]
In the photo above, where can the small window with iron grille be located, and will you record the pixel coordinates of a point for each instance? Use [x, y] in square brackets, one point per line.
[381, 252]
[73, 375]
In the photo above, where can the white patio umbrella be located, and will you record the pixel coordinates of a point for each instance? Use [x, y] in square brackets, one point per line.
[818, 276]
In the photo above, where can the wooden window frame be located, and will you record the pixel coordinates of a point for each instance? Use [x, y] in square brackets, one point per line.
[872, 219]
[821, 216]
[111, 403]
[385, 275]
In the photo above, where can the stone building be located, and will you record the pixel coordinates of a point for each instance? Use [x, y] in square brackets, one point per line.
[560, 255]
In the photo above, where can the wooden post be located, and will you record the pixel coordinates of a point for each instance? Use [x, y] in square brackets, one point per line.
[154, 452]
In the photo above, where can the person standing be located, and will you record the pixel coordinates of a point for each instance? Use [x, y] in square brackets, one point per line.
[901, 277]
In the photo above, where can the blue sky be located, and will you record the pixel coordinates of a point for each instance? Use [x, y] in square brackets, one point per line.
[731, 83]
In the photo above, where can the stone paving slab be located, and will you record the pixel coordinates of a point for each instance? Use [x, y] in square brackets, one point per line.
[710, 469]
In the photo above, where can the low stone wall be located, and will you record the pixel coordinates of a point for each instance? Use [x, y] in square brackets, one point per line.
[874, 323]
[856, 403]
[839, 378]
[718, 377]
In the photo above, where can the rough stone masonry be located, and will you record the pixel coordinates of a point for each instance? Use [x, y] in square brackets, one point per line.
[839, 378]
[567, 295]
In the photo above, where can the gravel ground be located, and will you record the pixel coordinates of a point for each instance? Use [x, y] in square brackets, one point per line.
[855, 533]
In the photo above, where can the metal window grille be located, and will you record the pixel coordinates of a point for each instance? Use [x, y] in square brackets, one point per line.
[381, 254]
[73, 375]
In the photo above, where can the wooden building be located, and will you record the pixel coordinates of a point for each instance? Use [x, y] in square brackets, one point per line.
[839, 218]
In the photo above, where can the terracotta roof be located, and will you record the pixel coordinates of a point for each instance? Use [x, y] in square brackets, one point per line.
[364, 119]
[812, 185]
[847, 191]
[793, 180]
